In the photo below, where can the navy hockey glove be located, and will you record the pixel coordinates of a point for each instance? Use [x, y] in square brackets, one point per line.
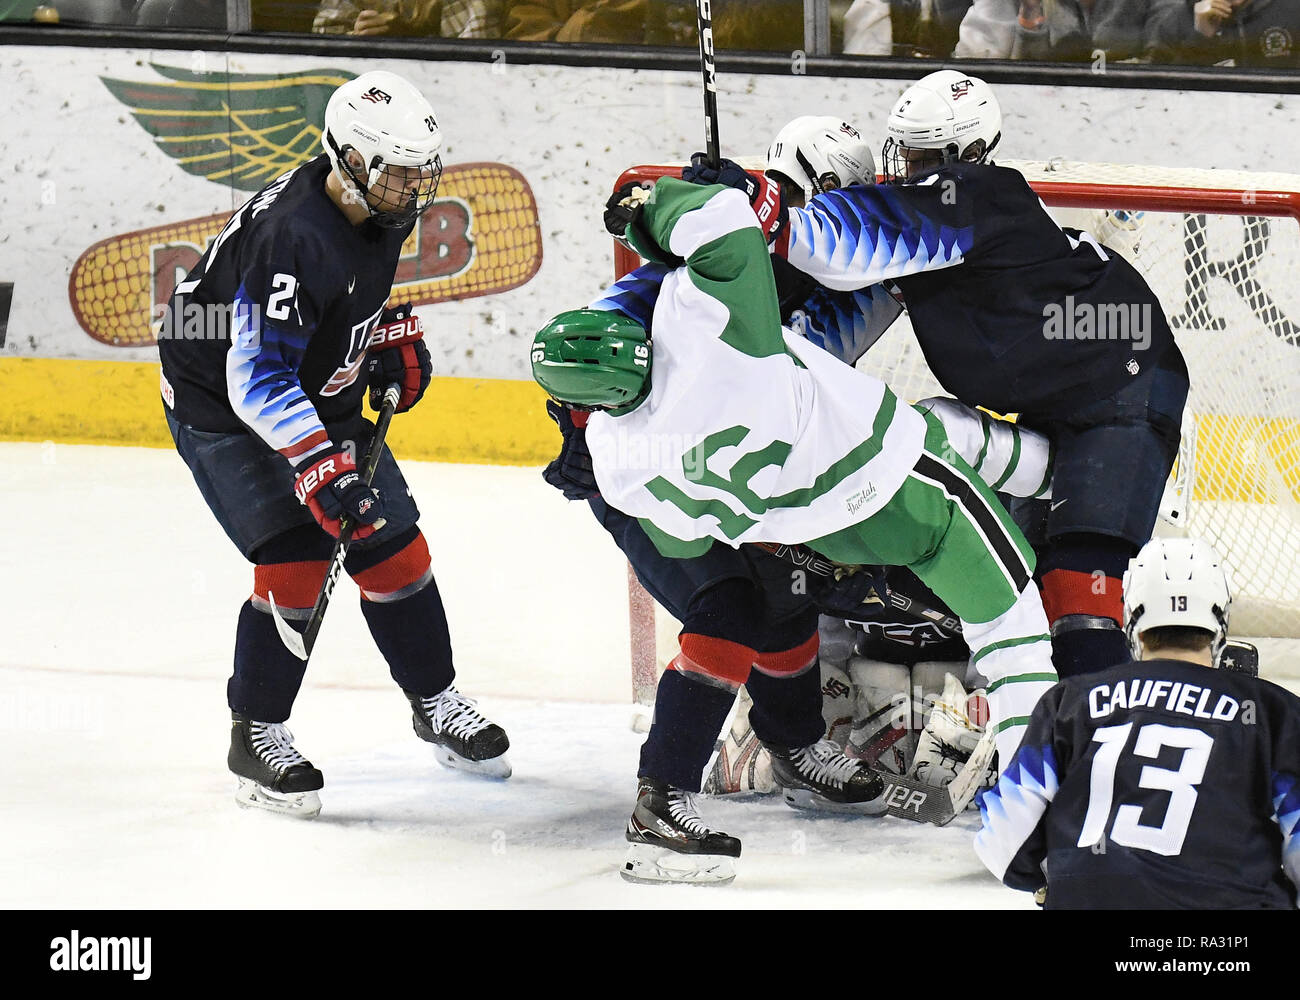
[330, 487]
[571, 472]
[846, 596]
[397, 355]
[763, 192]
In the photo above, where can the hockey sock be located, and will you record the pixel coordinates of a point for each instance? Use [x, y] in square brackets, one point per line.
[787, 709]
[267, 676]
[1082, 596]
[402, 607]
[688, 719]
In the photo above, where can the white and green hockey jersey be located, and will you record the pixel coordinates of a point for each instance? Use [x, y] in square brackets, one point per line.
[749, 432]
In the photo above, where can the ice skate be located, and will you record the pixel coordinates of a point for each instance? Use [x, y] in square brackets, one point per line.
[669, 842]
[822, 776]
[463, 739]
[272, 774]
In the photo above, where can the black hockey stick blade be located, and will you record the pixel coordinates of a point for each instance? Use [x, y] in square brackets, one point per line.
[301, 644]
[910, 799]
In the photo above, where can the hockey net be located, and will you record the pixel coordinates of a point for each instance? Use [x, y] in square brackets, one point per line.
[1221, 249]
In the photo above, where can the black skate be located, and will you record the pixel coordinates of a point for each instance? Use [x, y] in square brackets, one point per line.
[464, 739]
[668, 841]
[822, 777]
[272, 774]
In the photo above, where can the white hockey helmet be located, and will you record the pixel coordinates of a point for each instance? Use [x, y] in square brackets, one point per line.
[946, 111]
[1177, 581]
[388, 121]
[821, 153]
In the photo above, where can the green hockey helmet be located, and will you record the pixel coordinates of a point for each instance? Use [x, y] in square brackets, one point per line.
[592, 359]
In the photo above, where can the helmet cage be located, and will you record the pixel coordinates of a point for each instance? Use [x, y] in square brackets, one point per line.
[894, 163]
[389, 182]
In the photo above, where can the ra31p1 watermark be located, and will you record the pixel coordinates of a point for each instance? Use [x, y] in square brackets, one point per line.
[91, 953]
[1071, 320]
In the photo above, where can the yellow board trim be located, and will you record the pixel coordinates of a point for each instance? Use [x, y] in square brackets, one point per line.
[477, 420]
[502, 422]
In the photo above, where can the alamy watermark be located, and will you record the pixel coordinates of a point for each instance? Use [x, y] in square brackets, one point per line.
[205, 321]
[1073, 320]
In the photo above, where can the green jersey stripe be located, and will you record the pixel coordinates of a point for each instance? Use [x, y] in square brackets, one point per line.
[1014, 461]
[1021, 678]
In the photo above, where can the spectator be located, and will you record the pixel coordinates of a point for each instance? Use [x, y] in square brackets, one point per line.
[1260, 33]
[905, 28]
[771, 25]
[609, 21]
[1058, 30]
[205, 14]
[410, 18]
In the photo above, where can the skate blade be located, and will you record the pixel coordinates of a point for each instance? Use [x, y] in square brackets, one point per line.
[802, 798]
[300, 805]
[648, 864]
[494, 767]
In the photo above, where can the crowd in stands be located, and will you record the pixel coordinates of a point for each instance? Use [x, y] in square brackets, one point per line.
[1250, 33]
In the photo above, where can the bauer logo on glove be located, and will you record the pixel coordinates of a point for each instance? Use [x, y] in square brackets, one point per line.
[399, 357]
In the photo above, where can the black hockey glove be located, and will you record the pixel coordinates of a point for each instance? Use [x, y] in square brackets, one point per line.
[845, 597]
[571, 472]
[624, 206]
[397, 355]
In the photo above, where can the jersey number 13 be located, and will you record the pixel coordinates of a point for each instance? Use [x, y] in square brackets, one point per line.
[1167, 838]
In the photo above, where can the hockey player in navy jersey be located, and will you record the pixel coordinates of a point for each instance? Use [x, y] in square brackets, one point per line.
[1163, 783]
[286, 327]
[1018, 315]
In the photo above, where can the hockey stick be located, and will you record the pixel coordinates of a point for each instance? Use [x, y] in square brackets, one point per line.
[704, 17]
[908, 798]
[300, 645]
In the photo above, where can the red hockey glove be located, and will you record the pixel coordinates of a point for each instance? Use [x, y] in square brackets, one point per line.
[330, 487]
[398, 355]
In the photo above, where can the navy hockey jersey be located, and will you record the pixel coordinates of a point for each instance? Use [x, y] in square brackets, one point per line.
[1011, 311]
[269, 331]
[1153, 785]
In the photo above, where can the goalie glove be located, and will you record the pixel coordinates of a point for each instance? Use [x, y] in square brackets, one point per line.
[949, 737]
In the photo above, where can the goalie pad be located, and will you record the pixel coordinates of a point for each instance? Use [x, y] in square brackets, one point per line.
[1012, 459]
[740, 763]
[882, 732]
[954, 729]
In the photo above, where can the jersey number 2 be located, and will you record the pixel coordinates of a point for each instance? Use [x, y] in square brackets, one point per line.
[284, 292]
[1167, 838]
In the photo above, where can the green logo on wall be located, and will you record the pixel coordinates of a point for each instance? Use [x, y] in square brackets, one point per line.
[241, 129]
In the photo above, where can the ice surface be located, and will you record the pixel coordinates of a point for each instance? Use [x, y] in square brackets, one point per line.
[119, 596]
